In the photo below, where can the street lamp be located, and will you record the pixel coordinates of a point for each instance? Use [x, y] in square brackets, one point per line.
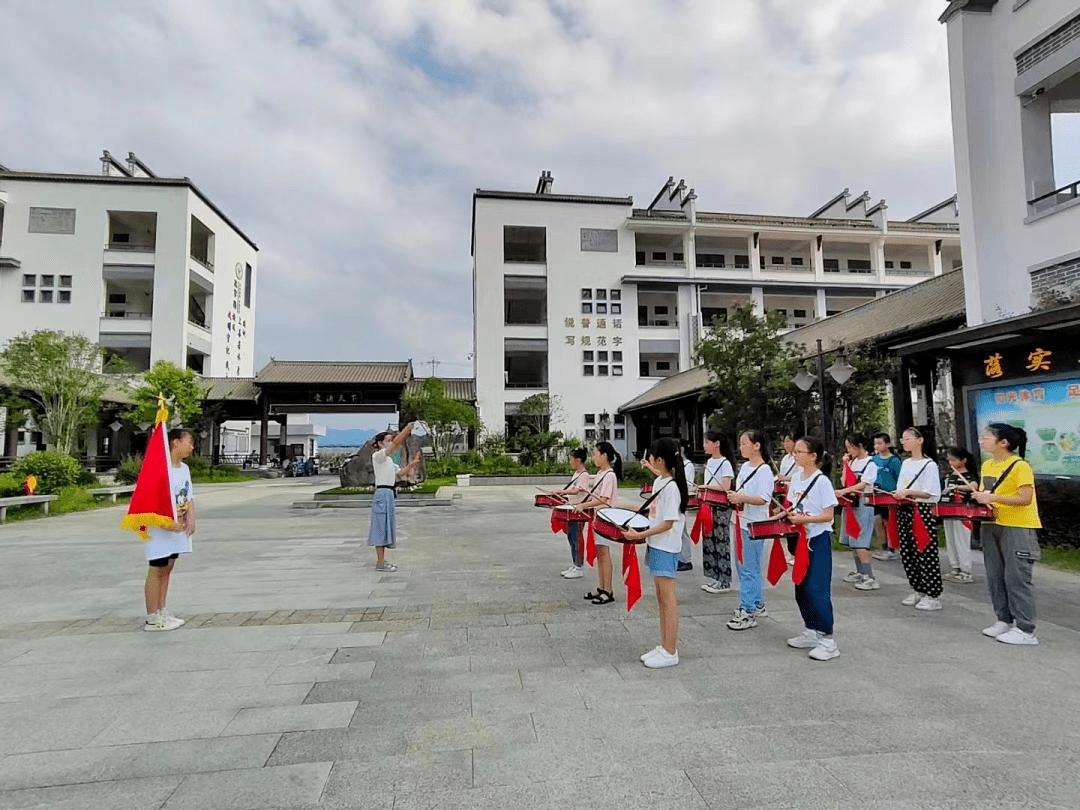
[841, 371]
[605, 418]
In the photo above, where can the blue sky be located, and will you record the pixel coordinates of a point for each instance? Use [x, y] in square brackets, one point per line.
[347, 138]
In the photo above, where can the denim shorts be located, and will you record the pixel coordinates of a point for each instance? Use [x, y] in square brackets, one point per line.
[661, 563]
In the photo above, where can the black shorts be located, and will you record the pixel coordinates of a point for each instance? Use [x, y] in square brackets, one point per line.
[881, 512]
[162, 562]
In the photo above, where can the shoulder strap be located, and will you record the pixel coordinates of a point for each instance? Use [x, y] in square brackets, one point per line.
[806, 492]
[644, 506]
[1003, 475]
[712, 476]
[918, 475]
[599, 480]
[751, 475]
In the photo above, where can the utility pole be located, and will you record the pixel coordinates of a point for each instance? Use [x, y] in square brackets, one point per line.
[433, 362]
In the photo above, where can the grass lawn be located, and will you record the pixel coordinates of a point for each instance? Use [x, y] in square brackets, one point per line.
[429, 487]
[72, 499]
[215, 477]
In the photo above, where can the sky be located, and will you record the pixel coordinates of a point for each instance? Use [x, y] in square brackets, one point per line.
[346, 137]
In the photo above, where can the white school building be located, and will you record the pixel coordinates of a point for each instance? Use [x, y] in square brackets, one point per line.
[593, 300]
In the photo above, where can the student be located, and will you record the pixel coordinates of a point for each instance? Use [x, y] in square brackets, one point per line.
[1010, 543]
[716, 546]
[667, 513]
[603, 493]
[963, 472]
[686, 554]
[813, 500]
[788, 462]
[888, 464]
[920, 483]
[573, 493]
[753, 490]
[865, 472]
[383, 531]
[166, 545]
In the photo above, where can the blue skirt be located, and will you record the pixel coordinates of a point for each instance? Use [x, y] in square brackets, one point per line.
[382, 532]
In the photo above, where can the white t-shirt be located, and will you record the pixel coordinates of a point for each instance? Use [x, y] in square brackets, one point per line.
[691, 472]
[581, 481]
[787, 465]
[716, 470]
[914, 476]
[820, 497]
[867, 473]
[165, 543]
[666, 507]
[759, 484]
[386, 471]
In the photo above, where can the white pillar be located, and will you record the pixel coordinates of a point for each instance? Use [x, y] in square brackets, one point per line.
[821, 304]
[934, 257]
[877, 257]
[757, 295]
[880, 293]
[690, 253]
[817, 258]
[753, 244]
[689, 320]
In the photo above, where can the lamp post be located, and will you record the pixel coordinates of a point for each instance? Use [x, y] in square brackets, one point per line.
[841, 371]
[605, 419]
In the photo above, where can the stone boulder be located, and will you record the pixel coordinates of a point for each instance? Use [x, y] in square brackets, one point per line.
[358, 472]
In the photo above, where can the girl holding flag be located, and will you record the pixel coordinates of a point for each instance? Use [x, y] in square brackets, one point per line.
[812, 500]
[604, 490]
[716, 542]
[860, 475]
[750, 500]
[919, 482]
[667, 514]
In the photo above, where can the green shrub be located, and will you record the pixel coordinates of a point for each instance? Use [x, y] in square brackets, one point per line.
[227, 470]
[198, 465]
[128, 471]
[10, 486]
[72, 499]
[1057, 512]
[87, 480]
[54, 470]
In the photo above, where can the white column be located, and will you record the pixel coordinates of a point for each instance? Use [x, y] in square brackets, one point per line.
[753, 245]
[689, 317]
[877, 257]
[934, 258]
[880, 293]
[817, 259]
[690, 253]
[757, 295]
[822, 304]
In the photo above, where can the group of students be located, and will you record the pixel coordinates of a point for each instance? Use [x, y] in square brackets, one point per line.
[1005, 482]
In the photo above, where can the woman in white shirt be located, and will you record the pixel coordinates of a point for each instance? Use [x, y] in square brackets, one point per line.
[383, 531]
[919, 483]
[813, 500]
[603, 492]
[667, 515]
[686, 554]
[716, 546]
[864, 472]
[753, 491]
[787, 463]
[574, 493]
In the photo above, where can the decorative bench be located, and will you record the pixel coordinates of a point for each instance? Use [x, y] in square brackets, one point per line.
[23, 500]
[112, 492]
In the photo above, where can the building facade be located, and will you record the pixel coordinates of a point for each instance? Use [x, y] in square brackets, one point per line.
[146, 266]
[594, 301]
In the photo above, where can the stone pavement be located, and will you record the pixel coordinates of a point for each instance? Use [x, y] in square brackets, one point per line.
[476, 677]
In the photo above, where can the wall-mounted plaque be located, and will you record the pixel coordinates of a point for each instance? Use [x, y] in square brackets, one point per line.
[599, 240]
[52, 220]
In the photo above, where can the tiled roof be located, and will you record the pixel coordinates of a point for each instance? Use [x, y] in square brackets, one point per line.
[784, 222]
[570, 198]
[329, 372]
[463, 389]
[117, 388]
[935, 300]
[674, 387]
[230, 388]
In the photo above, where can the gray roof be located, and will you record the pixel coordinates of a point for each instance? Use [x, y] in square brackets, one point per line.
[463, 389]
[118, 389]
[564, 198]
[230, 388]
[936, 300]
[331, 372]
[677, 386]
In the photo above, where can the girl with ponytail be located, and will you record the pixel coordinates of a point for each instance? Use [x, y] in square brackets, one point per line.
[602, 493]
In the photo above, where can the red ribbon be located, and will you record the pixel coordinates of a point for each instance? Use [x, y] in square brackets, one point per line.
[892, 531]
[738, 536]
[554, 527]
[590, 545]
[631, 575]
[849, 476]
[777, 561]
[703, 525]
[851, 523]
[922, 534]
[802, 557]
[967, 524]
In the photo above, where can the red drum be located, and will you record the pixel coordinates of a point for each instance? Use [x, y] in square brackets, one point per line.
[693, 502]
[958, 509]
[773, 527]
[646, 490]
[714, 497]
[780, 490]
[548, 501]
[880, 499]
[563, 515]
[848, 501]
[610, 522]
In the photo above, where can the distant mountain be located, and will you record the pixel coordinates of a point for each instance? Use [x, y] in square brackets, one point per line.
[349, 438]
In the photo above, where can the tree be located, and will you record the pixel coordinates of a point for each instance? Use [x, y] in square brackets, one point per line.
[446, 419]
[861, 404]
[540, 411]
[750, 368]
[181, 388]
[59, 384]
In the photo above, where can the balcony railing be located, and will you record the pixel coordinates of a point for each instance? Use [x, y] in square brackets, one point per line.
[660, 323]
[130, 247]
[1058, 196]
[657, 263]
[119, 313]
[530, 384]
[209, 265]
[526, 322]
[796, 268]
[198, 323]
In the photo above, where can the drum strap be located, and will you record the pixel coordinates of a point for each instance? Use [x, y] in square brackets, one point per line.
[712, 477]
[1003, 476]
[644, 506]
[806, 492]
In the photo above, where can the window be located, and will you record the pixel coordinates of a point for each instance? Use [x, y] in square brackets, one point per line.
[29, 281]
[28, 296]
[616, 357]
[659, 256]
[602, 357]
[586, 308]
[620, 434]
[22, 437]
[639, 257]
[858, 265]
[905, 265]
[587, 357]
[761, 261]
[663, 365]
[121, 237]
[832, 265]
[709, 315]
[710, 260]
[588, 370]
[65, 281]
[48, 281]
[777, 259]
[888, 264]
[616, 309]
[248, 278]
[830, 312]
[45, 297]
[64, 296]
[796, 261]
[781, 311]
[117, 298]
[590, 419]
[601, 295]
[678, 257]
[643, 368]
[620, 419]
[601, 371]
[661, 310]
[601, 309]
[524, 244]
[615, 295]
[742, 260]
[616, 371]
[586, 294]
[799, 313]
[590, 435]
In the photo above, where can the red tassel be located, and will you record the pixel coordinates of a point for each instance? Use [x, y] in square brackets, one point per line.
[738, 537]
[695, 530]
[631, 575]
[922, 534]
[777, 561]
[851, 524]
[590, 546]
[705, 515]
[892, 531]
[802, 557]
[967, 524]
[849, 476]
[554, 527]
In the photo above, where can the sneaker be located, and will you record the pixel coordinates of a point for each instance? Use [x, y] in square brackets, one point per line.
[171, 622]
[867, 584]
[853, 576]
[662, 658]
[386, 567]
[997, 629]
[963, 577]
[807, 641]
[713, 586]
[567, 571]
[684, 566]
[929, 603]
[913, 599]
[155, 623]
[885, 555]
[742, 621]
[574, 573]
[651, 653]
[1017, 636]
[825, 650]
[760, 612]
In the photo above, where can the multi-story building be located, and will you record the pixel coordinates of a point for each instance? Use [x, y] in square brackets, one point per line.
[146, 266]
[593, 300]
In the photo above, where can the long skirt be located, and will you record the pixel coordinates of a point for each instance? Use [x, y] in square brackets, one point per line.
[716, 548]
[923, 568]
[383, 532]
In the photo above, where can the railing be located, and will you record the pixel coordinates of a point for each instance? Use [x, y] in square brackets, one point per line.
[130, 247]
[657, 263]
[141, 316]
[1058, 195]
[535, 384]
[661, 324]
[209, 265]
[891, 272]
[520, 322]
[797, 268]
[200, 324]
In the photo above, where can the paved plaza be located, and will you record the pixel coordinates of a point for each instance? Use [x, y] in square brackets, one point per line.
[475, 677]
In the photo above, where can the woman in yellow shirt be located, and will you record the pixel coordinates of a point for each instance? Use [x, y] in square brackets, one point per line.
[1010, 543]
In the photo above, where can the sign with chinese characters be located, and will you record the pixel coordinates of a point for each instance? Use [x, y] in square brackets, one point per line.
[1050, 356]
[235, 326]
[593, 331]
[330, 396]
[599, 240]
[1048, 410]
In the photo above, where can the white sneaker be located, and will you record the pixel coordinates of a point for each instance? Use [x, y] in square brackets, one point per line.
[713, 586]
[567, 571]
[853, 576]
[171, 620]
[760, 612]
[825, 650]
[807, 641]
[155, 623]
[912, 600]
[1017, 636]
[651, 653]
[885, 556]
[929, 603]
[997, 629]
[741, 621]
[867, 584]
[574, 573]
[662, 659]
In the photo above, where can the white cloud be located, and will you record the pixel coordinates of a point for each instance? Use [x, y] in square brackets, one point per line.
[347, 138]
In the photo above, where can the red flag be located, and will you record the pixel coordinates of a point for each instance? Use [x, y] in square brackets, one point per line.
[851, 524]
[849, 476]
[777, 561]
[152, 502]
[554, 527]
[738, 536]
[590, 545]
[892, 531]
[703, 524]
[802, 557]
[922, 534]
[631, 575]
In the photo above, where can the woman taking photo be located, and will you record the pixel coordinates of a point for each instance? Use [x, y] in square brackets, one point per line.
[383, 532]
